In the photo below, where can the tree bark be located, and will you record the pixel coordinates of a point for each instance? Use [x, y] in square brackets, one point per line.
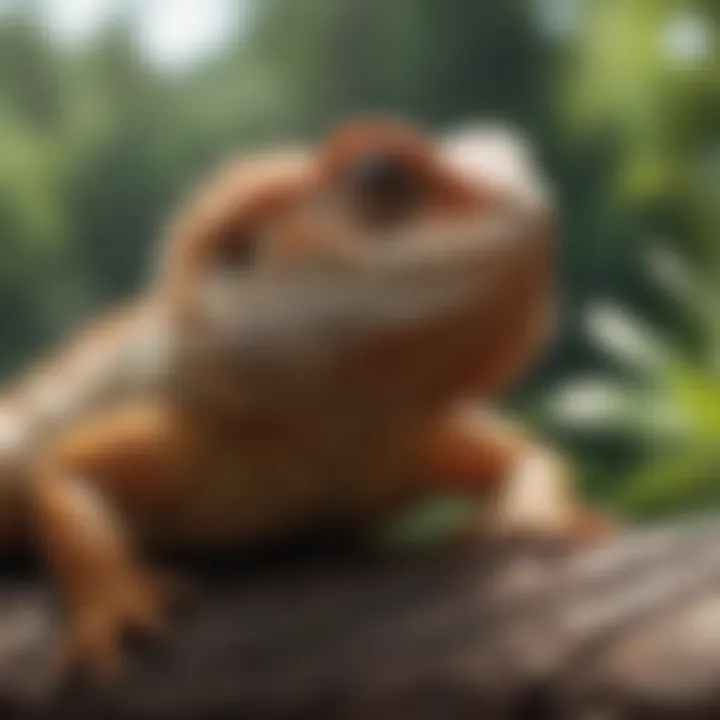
[630, 629]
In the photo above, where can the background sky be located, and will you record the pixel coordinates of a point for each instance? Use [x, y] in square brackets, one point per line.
[176, 33]
[173, 33]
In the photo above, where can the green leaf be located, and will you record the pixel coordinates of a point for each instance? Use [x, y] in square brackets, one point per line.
[672, 481]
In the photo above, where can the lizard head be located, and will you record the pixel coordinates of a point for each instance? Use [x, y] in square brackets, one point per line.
[394, 181]
[376, 267]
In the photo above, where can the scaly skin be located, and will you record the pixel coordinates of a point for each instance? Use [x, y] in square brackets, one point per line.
[322, 378]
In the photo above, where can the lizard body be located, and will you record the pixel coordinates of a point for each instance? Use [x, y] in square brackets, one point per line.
[320, 325]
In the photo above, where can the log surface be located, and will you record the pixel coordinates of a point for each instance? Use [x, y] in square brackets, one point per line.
[627, 630]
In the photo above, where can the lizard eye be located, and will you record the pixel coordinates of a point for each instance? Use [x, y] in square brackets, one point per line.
[237, 252]
[383, 187]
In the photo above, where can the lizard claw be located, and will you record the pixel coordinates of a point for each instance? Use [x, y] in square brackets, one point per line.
[95, 640]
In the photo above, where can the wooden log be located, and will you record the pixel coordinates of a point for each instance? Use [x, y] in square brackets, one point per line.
[630, 629]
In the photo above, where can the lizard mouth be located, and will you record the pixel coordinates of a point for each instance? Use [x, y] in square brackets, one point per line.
[411, 321]
[392, 278]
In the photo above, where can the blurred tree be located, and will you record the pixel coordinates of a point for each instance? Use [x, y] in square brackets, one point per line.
[644, 83]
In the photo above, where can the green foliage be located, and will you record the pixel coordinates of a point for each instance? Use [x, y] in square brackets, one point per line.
[432, 521]
[646, 84]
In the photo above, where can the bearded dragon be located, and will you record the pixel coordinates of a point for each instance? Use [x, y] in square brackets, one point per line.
[316, 350]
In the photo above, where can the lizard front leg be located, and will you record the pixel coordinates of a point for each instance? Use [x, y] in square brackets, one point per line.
[75, 492]
[529, 486]
[107, 591]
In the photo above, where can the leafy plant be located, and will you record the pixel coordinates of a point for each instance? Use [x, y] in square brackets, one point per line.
[664, 397]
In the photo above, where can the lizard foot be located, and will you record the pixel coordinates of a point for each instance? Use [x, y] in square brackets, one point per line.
[99, 627]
